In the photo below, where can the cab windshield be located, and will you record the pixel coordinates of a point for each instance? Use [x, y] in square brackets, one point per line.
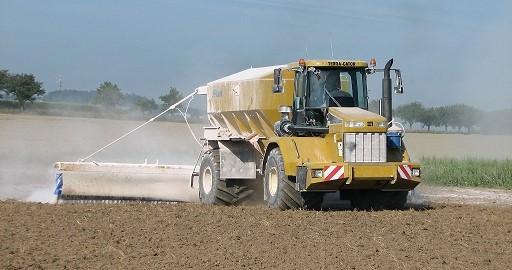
[336, 88]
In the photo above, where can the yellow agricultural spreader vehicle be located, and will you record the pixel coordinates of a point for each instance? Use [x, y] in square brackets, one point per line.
[288, 134]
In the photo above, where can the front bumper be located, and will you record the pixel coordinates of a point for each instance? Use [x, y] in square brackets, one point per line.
[333, 177]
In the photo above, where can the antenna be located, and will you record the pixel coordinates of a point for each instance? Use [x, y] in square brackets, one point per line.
[307, 54]
[332, 50]
[59, 82]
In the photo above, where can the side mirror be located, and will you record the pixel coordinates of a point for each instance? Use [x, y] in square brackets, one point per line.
[278, 86]
[399, 88]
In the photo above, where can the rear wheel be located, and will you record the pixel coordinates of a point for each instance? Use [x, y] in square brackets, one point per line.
[280, 192]
[214, 190]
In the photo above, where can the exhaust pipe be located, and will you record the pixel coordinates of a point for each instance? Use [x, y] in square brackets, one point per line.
[387, 102]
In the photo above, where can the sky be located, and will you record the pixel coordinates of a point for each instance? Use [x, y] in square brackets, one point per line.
[448, 51]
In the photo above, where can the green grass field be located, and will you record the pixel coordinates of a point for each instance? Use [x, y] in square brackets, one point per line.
[469, 172]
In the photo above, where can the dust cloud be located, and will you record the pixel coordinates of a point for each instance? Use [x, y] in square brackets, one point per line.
[458, 146]
[31, 144]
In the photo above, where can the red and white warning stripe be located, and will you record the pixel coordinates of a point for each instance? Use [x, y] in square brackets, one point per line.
[405, 171]
[334, 172]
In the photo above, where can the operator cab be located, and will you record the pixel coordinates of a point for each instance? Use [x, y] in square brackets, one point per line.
[318, 88]
[323, 84]
[336, 88]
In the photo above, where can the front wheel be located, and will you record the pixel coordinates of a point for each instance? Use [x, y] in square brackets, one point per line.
[280, 192]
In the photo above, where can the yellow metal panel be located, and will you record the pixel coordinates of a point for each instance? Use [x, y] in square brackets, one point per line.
[290, 154]
[304, 151]
[354, 173]
[372, 172]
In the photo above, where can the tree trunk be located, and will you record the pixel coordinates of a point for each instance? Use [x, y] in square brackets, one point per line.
[22, 106]
[428, 128]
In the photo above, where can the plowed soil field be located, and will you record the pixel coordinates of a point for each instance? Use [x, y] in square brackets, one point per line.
[178, 236]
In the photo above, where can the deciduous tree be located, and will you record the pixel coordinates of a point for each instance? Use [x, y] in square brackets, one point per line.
[108, 95]
[146, 105]
[23, 87]
[466, 116]
[443, 117]
[427, 117]
[171, 98]
[410, 113]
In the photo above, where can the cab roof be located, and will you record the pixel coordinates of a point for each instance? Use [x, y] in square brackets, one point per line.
[261, 72]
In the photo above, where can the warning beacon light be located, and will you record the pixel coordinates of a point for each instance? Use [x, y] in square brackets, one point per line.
[302, 63]
[373, 63]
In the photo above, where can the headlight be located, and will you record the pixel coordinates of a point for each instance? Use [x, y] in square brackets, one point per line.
[416, 172]
[354, 124]
[317, 173]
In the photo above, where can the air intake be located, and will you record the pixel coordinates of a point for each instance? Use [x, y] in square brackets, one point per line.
[364, 147]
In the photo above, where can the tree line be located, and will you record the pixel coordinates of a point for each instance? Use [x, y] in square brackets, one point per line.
[458, 117]
[25, 88]
[109, 95]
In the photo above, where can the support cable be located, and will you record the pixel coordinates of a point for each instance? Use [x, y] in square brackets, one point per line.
[186, 121]
[172, 107]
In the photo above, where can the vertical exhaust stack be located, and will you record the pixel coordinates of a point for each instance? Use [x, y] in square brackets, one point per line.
[387, 103]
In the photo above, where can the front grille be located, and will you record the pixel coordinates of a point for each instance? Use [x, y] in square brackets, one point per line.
[364, 147]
